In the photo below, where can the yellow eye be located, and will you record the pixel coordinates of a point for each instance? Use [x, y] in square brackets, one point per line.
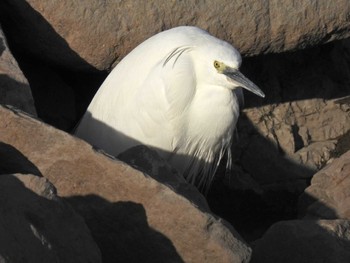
[216, 64]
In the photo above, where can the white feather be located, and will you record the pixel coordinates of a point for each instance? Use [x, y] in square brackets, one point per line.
[167, 94]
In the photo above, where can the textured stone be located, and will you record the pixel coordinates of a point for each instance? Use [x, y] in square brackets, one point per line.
[291, 134]
[81, 34]
[328, 196]
[132, 217]
[37, 226]
[304, 122]
[304, 241]
[14, 87]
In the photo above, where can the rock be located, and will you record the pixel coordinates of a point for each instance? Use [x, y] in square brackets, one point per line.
[131, 216]
[14, 87]
[328, 196]
[302, 126]
[13, 161]
[54, 98]
[291, 134]
[315, 155]
[148, 161]
[70, 34]
[37, 226]
[306, 241]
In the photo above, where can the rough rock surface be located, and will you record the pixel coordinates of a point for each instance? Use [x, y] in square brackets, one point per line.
[306, 241]
[14, 87]
[291, 134]
[37, 226]
[305, 132]
[328, 196]
[126, 210]
[92, 33]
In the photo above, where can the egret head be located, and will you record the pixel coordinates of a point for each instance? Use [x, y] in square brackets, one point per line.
[218, 63]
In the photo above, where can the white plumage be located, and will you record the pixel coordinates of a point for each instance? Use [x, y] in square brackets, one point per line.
[174, 93]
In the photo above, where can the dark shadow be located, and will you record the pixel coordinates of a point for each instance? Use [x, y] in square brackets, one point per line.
[263, 160]
[262, 154]
[310, 207]
[16, 94]
[317, 72]
[239, 208]
[13, 161]
[2, 45]
[47, 69]
[35, 228]
[150, 163]
[122, 232]
[18, 18]
[342, 146]
[54, 99]
[121, 228]
[153, 162]
[304, 241]
[280, 181]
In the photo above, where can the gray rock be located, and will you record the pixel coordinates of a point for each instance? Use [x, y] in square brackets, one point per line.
[288, 136]
[304, 241]
[37, 226]
[14, 87]
[328, 196]
[132, 217]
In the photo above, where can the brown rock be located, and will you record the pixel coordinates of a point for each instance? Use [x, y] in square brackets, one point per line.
[36, 226]
[306, 241]
[94, 33]
[14, 87]
[291, 134]
[308, 121]
[133, 218]
[328, 196]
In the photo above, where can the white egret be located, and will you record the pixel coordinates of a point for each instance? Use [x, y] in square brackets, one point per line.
[174, 93]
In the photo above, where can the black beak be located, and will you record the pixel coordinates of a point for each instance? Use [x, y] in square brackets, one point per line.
[237, 77]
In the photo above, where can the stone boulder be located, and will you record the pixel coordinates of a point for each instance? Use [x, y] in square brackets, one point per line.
[94, 35]
[37, 226]
[293, 132]
[14, 87]
[132, 217]
[304, 241]
[328, 196]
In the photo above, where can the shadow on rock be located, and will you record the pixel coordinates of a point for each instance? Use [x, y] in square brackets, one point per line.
[57, 49]
[61, 92]
[305, 241]
[2, 46]
[13, 161]
[15, 93]
[263, 187]
[36, 226]
[279, 180]
[122, 232]
[317, 72]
